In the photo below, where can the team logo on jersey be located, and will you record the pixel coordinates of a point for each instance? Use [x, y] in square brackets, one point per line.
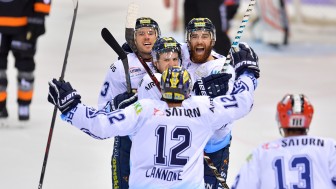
[201, 71]
[137, 107]
[268, 146]
[136, 71]
[158, 112]
[113, 67]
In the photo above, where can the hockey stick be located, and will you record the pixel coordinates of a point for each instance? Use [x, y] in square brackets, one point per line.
[112, 42]
[131, 17]
[55, 108]
[234, 45]
[240, 31]
[215, 171]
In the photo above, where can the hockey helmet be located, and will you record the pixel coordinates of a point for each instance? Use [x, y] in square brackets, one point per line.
[294, 111]
[175, 84]
[204, 24]
[163, 45]
[147, 22]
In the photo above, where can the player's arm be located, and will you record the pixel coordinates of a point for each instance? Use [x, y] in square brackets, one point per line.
[98, 124]
[248, 176]
[114, 84]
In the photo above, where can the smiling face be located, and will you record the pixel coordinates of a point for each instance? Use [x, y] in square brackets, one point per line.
[145, 38]
[200, 45]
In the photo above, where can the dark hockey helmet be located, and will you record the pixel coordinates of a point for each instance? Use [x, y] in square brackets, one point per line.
[204, 24]
[166, 44]
[175, 84]
[147, 22]
[294, 111]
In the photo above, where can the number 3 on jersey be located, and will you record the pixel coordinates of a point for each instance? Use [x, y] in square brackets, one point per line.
[179, 133]
[300, 164]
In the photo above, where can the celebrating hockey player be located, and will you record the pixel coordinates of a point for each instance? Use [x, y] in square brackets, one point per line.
[173, 130]
[146, 32]
[295, 161]
[201, 61]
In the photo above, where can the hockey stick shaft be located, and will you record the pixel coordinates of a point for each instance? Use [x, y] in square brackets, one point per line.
[240, 31]
[112, 42]
[55, 108]
[131, 17]
[215, 172]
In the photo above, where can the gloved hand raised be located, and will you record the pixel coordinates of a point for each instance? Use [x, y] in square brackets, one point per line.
[245, 60]
[213, 85]
[63, 95]
[125, 99]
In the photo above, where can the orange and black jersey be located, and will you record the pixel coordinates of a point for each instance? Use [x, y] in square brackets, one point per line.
[14, 13]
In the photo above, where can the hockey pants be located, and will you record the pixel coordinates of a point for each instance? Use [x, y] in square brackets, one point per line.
[23, 52]
[221, 160]
[121, 162]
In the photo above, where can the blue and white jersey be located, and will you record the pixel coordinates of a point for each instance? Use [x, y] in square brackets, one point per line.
[115, 79]
[291, 162]
[174, 137]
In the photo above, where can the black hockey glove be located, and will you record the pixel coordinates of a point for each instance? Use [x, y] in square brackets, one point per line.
[245, 60]
[213, 85]
[35, 27]
[63, 95]
[125, 99]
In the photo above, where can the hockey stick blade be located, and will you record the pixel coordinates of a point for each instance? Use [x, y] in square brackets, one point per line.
[112, 42]
[45, 160]
[132, 13]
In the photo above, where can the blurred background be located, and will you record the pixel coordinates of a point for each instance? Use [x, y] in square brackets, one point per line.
[306, 65]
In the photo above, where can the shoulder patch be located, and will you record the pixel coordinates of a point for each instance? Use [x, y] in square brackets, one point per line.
[113, 67]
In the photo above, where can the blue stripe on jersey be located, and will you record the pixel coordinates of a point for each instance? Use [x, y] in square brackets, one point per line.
[214, 147]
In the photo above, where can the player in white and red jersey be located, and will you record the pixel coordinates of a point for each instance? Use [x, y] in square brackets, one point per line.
[168, 136]
[295, 161]
[114, 88]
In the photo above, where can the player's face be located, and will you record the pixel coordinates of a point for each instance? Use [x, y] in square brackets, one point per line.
[166, 60]
[144, 39]
[200, 45]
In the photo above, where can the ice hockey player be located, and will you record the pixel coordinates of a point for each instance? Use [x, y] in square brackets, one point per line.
[21, 24]
[168, 135]
[217, 147]
[295, 161]
[114, 87]
[201, 61]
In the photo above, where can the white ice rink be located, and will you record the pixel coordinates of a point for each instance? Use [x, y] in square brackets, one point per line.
[76, 160]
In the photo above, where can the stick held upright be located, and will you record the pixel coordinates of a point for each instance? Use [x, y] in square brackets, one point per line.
[55, 108]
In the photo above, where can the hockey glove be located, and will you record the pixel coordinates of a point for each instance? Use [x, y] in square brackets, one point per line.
[213, 85]
[35, 27]
[63, 95]
[125, 99]
[245, 60]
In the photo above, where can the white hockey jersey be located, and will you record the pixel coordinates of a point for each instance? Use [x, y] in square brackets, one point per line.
[293, 162]
[168, 143]
[115, 79]
[245, 82]
[221, 138]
